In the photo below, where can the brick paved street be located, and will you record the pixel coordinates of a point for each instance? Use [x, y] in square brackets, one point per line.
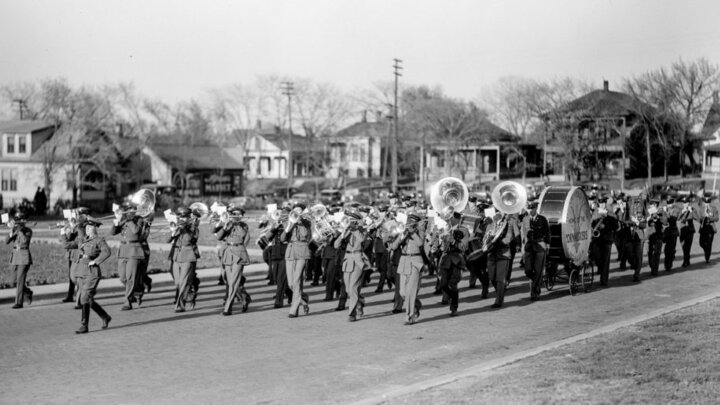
[152, 355]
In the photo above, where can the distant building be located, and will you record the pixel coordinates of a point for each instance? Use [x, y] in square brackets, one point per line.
[711, 145]
[357, 151]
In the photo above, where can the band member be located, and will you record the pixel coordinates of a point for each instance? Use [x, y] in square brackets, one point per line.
[535, 232]
[236, 236]
[452, 244]
[329, 266]
[686, 220]
[184, 236]
[708, 218]
[298, 234]
[670, 238]
[354, 264]
[75, 229]
[380, 254]
[623, 232]
[604, 228]
[634, 244]
[410, 245]
[394, 256]
[20, 258]
[478, 267]
[92, 252]
[143, 264]
[502, 233]
[656, 224]
[278, 246]
[130, 253]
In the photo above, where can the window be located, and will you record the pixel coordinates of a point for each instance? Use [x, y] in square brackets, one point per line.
[362, 153]
[355, 156]
[10, 143]
[9, 180]
[21, 144]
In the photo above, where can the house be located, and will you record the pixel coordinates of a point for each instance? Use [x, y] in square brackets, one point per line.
[267, 151]
[358, 151]
[23, 163]
[711, 145]
[201, 169]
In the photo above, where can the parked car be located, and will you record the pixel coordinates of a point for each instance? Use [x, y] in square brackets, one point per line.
[330, 196]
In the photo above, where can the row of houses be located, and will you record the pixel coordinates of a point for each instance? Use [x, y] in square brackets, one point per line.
[255, 161]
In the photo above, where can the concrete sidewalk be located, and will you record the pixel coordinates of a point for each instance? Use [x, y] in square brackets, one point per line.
[113, 285]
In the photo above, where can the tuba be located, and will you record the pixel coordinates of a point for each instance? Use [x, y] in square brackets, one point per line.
[509, 197]
[448, 196]
[321, 226]
[144, 200]
[200, 209]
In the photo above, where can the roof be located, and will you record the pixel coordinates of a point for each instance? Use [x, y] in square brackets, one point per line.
[282, 141]
[196, 157]
[713, 148]
[599, 103]
[712, 121]
[486, 131]
[23, 126]
[363, 129]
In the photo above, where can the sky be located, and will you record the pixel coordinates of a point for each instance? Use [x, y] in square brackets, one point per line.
[177, 50]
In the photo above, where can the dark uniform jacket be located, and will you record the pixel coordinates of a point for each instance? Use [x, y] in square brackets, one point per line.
[608, 229]
[95, 249]
[75, 233]
[21, 235]
[535, 231]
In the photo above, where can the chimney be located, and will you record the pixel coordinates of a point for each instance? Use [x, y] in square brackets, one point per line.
[364, 117]
[606, 85]
[258, 125]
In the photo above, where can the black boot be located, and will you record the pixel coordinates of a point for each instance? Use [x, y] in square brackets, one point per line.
[84, 320]
[101, 313]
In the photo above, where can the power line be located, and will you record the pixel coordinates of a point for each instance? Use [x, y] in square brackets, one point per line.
[289, 90]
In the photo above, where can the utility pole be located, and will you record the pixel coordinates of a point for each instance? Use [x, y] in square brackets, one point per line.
[393, 159]
[289, 90]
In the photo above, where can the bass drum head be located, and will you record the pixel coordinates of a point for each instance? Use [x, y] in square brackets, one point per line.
[568, 207]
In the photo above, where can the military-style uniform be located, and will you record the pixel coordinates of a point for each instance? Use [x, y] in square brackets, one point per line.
[452, 261]
[381, 255]
[91, 253]
[535, 232]
[409, 268]
[655, 240]
[602, 244]
[76, 232]
[234, 258]
[298, 236]
[670, 238]
[634, 246]
[329, 266]
[687, 220]
[478, 268]
[354, 264]
[277, 266]
[499, 257]
[20, 260]
[185, 255]
[708, 228]
[129, 256]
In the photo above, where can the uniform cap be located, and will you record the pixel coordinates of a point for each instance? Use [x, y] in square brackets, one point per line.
[92, 221]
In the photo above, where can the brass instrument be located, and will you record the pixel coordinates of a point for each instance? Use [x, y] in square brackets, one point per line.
[449, 195]
[509, 198]
[596, 229]
[323, 230]
[144, 200]
[200, 208]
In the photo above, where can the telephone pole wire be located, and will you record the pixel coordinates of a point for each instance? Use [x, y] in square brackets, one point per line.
[393, 158]
[289, 91]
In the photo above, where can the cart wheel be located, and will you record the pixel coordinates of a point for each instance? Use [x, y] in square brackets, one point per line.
[588, 274]
[574, 281]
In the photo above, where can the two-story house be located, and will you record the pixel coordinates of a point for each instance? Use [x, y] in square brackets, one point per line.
[357, 151]
[24, 163]
[711, 145]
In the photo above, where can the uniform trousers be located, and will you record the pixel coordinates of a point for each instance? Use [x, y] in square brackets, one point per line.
[478, 270]
[128, 273]
[183, 274]
[636, 257]
[22, 291]
[87, 288]
[670, 248]
[687, 241]
[277, 267]
[706, 240]
[397, 297]
[294, 269]
[534, 261]
[603, 251]
[654, 251]
[449, 279]
[332, 278]
[233, 275]
[408, 291]
[353, 283]
[381, 262]
[497, 271]
[71, 282]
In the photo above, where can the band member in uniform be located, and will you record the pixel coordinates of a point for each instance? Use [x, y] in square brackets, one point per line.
[535, 232]
[380, 252]
[130, 253]
[354, 264]
[502, 233]
[75, 228]
[670, 234]
[604, 228]
[656, 224]
[636, 240]
[394, 256]
[329, 266]
[236, 236]
[410, 245]
[184, 236]
[143, 264]
[686, 220]
[708, 218]
[478, 268]
[20, 258]
[623, 232]
[278, 246]
[92, 252]
[298, 234]
[452, 244]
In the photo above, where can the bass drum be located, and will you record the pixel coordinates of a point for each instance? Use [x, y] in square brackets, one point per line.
[569, 216]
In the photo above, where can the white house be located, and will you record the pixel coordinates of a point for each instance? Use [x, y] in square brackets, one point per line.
[356, 151]
[22, 158]
[711, 145]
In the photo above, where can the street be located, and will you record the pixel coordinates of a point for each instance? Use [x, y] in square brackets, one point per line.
[153, 355]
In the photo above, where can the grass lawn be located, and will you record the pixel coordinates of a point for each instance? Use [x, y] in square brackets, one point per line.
[672, 359]
[50, 264]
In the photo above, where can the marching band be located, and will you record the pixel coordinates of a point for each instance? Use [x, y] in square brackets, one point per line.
[344, 245]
